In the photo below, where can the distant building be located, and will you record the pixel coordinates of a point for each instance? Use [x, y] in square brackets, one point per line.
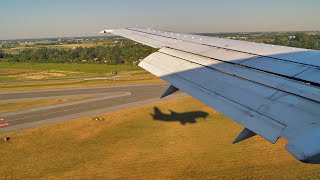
[312, 33]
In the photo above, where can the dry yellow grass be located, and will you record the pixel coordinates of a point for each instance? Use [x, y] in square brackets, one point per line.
[130, 144]
[29, 74]
[41, 75]
[12, 72]
[15, 106]
[134, 77]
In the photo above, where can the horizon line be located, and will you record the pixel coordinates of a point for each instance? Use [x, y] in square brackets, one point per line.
[90, 36]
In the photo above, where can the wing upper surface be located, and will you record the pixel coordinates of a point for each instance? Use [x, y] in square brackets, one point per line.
[271, 90]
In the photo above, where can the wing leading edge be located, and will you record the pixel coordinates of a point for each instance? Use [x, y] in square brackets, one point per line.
[271, 90]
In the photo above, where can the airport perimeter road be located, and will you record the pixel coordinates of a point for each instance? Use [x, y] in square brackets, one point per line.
[102, 99]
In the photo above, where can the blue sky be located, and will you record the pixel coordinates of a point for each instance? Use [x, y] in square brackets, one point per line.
[58, 18]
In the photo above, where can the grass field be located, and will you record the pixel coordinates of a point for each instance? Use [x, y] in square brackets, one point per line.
[132, 77]
[17, 49]
[130, 144]
[38, 75]
[81, 68]
[16, 106]
[70, 46]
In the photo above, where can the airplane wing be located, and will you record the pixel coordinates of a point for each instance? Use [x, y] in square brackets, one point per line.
[273, 91]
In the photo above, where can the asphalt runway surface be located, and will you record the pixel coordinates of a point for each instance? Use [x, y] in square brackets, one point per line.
[98, 100]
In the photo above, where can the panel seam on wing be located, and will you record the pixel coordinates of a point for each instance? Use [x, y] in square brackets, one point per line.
[226, 48]
[276, 88]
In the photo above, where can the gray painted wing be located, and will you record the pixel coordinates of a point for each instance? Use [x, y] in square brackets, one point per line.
[271, 90]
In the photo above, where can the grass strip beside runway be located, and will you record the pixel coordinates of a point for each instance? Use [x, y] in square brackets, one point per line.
[131, 144]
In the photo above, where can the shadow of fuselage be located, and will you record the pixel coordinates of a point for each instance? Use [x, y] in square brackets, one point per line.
[183, 118]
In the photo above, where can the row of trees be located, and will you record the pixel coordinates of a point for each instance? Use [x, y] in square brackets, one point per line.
[1, 54]
[121, 53]
[301, 40]
[129, 52]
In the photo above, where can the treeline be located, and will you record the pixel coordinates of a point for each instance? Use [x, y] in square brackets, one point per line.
[120, 53]
[300, 40]
[1, 54]
[128, 52]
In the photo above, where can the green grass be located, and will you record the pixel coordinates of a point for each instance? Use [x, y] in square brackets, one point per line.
[85, 68]
[10, 72]
[6, 79]
[134, 77]
[130, 144]
[77, 84]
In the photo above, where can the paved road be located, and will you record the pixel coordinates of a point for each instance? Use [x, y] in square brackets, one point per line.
[103, 99]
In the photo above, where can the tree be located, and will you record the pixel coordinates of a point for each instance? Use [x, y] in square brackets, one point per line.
[119, 53]
[1, 54]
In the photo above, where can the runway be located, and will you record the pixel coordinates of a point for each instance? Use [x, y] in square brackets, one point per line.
[101, 100]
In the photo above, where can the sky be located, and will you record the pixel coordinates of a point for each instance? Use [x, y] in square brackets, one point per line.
[65, 18]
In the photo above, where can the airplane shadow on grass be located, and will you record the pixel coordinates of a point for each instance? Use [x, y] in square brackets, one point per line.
[183, 118]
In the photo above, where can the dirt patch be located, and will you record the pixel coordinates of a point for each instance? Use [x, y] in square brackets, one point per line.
[38, 75]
